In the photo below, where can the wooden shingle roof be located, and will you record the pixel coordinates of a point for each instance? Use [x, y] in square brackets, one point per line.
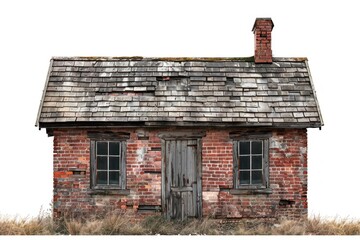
[128, 91]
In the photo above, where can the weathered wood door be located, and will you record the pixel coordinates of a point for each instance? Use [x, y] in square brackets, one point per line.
[181, 179]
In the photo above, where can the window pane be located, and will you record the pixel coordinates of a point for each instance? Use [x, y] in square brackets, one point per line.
[114, 148]
[244, 148]
[101, 163]
[244, 162]
[256, 177]
[101, 177]
[244, 177]
[256, 162]
[102, 148]
[114, 163]
[256, 147]
[114, 178]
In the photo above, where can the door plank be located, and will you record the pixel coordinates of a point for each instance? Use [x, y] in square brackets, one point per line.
[198, 163]
[192, 176]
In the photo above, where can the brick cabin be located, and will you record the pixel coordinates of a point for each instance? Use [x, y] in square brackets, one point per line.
[182, 137]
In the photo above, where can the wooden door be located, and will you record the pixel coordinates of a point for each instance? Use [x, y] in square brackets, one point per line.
[182, 181]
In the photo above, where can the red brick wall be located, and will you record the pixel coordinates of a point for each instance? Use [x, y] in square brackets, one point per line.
[288, 178]
[288, 175]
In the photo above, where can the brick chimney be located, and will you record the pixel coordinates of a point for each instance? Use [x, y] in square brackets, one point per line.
[262, 32]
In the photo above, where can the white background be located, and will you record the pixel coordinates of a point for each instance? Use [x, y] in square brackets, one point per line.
[31, 32]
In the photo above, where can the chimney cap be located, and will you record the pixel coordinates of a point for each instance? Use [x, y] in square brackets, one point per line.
[264, 19]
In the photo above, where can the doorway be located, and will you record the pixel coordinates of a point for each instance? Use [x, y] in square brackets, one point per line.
[181, 178]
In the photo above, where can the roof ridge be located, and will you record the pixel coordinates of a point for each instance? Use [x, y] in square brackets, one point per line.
[174, 59]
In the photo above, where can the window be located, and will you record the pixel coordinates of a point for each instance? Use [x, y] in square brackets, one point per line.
[108, 164]
[251, 162]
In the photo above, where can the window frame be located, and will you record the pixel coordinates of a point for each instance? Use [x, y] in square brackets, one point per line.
[264, 187]
[108, 137]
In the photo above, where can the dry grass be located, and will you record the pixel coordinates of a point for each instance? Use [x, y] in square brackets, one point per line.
[109, 225]
[41, 225]
[316, 226]
[312, 226]
[158, 225]
[125, 225]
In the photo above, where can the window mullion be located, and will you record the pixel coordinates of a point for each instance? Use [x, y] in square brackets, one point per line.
[236, 159]
[262, 163]
[93, 162]
[266, 162]
[120, 164]
[238, 166]
[108, 163]
[250, 180]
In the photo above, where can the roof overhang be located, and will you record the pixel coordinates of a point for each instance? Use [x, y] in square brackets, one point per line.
[51, 126]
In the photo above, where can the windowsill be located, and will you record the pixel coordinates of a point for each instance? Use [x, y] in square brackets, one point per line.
[122, 192]
[251, 191]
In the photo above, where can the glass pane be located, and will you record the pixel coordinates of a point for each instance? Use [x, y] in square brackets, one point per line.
[101, 177]
[244, 148]
[244, 177]
[114, 163]
[244, 162]
[256, 162]
[114, 148]
[102, 148]
[256, 177]
[114, 178]
[101, 163]
[256, 147]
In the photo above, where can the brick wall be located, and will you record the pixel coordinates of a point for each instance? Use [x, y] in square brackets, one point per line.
[288, 175]
[287, 172]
